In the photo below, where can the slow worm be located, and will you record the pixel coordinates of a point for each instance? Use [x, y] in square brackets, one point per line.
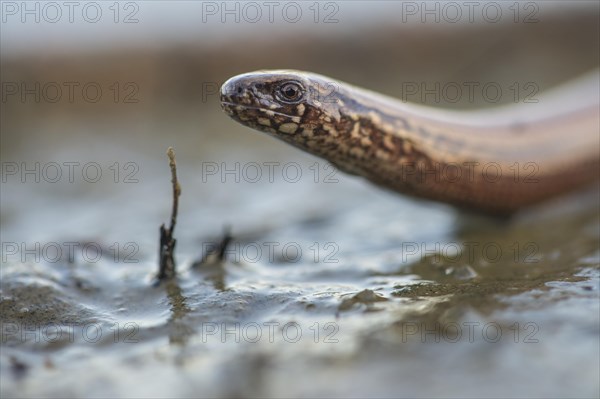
[494, 160]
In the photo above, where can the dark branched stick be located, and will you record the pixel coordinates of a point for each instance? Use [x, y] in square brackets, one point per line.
[167, 242]
[217, 253]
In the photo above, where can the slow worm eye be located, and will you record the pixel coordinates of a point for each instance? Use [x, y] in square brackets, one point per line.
[290, 92]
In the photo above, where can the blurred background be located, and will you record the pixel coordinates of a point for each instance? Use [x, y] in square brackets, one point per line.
[93, 93]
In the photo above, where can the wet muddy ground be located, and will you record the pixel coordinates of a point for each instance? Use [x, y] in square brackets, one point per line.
[329, 287]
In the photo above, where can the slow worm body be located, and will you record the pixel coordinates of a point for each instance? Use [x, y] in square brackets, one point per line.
[497, 160]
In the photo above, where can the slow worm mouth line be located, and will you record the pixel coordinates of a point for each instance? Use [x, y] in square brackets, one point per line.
[265, 110]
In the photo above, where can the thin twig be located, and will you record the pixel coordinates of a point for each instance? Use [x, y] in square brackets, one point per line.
[176, 189]
[166, 267]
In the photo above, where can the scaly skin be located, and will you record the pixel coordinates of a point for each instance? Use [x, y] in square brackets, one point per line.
[495, 161]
